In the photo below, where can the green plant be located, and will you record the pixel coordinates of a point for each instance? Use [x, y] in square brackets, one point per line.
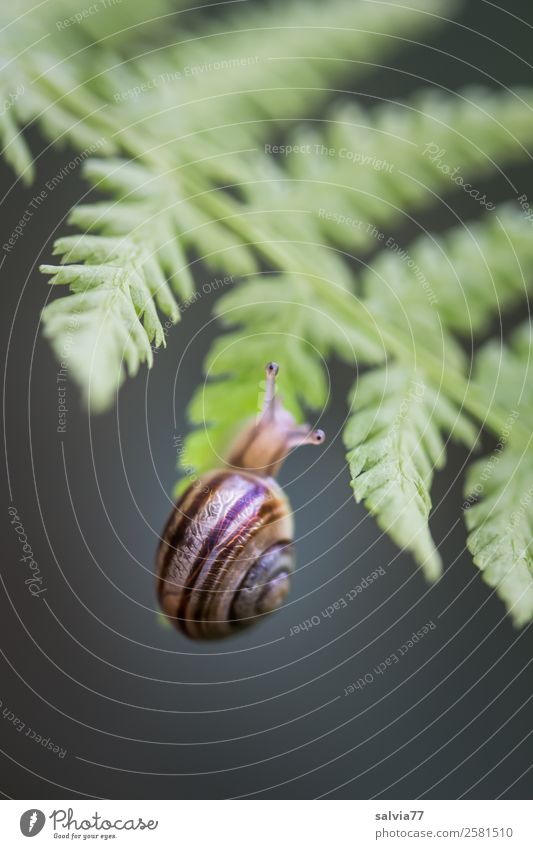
[189, 164]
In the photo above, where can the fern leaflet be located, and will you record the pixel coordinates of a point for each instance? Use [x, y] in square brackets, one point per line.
[500, 522]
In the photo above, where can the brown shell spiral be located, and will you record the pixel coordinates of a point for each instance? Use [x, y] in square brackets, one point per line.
[225, 557]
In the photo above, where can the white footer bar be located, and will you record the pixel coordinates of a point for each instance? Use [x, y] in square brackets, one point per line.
[268, 824]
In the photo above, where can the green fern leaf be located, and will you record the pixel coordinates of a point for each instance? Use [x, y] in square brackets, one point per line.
[98, 98]
[369, 168]
[145, 211]
[460, 281]
[395, 443]
[503, 373]
[500, 528]
[500, 487]
[396, 302]
[14, 147]
[109, 321]
[276, 61]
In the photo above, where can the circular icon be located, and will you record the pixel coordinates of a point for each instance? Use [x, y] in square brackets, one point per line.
[32, 822]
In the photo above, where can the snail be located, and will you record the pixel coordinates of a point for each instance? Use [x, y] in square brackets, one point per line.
[226, 553]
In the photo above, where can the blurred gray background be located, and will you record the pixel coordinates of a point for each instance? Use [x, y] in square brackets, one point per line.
[144, 713]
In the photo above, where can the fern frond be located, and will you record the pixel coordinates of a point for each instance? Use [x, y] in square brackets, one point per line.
[80, 85]
[491, 269]
[322, 197]
[500, 528]
[162, 227]
[461, 280]
[489, 266]
[91, 23]
[13, 145]
[504, 373]
[367, 169]
[166, 202]
[147, 209]
[500, 487]
[395, 442]
[137, 249]
[277, 61]
[109, 321]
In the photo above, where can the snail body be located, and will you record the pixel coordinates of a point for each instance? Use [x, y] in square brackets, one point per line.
[226, 553]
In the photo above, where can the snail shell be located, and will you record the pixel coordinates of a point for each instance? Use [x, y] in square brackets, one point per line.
[226, 553]
[226, 556]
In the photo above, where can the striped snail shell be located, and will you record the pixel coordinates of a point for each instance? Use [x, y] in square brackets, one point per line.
[226, 553]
